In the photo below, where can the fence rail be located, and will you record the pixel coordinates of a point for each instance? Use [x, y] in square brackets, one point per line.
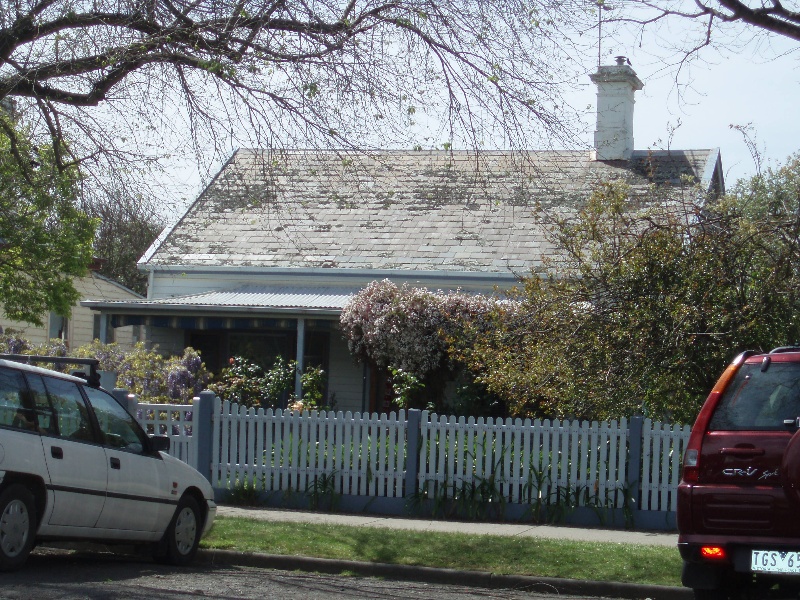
[535, 463]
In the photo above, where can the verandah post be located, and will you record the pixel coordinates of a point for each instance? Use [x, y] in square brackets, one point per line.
[413, 423]
[202, 432]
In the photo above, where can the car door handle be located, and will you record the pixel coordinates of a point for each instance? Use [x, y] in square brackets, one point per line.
[56, 452]
[743, 451]
[114, 462]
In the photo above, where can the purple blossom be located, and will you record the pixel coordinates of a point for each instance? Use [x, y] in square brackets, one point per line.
[407, 327]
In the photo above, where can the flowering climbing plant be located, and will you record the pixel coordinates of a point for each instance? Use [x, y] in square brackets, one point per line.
[408, 328]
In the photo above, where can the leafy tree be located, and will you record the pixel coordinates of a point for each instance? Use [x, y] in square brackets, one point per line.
[312, 384]
[771, 195]
[404, 385]
[45, 240]
[644, 310]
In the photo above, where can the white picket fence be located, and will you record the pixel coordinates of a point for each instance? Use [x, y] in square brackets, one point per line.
[528, 462]
[531, 462]
[276, 450]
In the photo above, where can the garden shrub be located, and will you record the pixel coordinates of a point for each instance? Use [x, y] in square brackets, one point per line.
[245, 382]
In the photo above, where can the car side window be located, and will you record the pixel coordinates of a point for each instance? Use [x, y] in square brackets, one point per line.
[44, 411]
[16, 406]
[72, 415]
[118, 428]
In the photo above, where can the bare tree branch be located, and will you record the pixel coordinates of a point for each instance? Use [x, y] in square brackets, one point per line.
[772, 16]
[356, 73]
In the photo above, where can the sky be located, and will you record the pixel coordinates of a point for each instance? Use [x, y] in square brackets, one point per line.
[751, 80]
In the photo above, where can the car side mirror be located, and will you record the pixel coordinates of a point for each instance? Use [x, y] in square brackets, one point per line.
[159, 443]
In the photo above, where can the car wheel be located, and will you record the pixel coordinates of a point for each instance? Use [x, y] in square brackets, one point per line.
[183, 534]
[17, 526]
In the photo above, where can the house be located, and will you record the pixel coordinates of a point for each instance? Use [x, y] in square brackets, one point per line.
[83, 325]
[265, 258]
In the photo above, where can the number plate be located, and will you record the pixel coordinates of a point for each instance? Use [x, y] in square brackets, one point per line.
[772, 561]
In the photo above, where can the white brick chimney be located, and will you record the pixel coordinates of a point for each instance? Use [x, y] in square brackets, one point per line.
[616, 85]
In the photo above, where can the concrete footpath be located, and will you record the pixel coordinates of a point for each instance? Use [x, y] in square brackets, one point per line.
[453, 576]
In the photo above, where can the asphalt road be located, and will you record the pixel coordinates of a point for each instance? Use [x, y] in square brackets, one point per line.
[63, 575]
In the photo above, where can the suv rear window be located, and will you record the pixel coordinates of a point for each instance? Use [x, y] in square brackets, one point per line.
[759, 399]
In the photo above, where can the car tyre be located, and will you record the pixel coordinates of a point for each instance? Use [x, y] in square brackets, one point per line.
[716, 594]
[17, 526]
[180, 542]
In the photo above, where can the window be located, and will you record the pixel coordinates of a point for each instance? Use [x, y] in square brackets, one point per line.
[44, 411]
[760, 399]
[109, 338]
[58, 327]
[70, 409]
[118, 428]
[16, 409]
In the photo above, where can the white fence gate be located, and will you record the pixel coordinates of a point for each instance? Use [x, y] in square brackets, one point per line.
[174, 421]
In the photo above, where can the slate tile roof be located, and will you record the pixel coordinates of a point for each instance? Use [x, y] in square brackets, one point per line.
[418, 211]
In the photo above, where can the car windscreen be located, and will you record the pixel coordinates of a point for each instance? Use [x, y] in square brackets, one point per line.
[760, 399]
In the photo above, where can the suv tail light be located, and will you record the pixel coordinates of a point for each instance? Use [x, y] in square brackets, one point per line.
[713, 553]
[691, 455]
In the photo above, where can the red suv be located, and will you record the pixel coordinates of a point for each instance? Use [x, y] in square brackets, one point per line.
[739, 499]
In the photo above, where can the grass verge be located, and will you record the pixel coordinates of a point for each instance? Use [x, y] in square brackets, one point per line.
[627, 563]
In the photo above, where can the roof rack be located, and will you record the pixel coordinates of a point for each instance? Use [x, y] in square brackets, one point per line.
[93, 378]
[783, 349]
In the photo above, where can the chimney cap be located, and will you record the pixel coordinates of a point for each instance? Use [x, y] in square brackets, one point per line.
[618, 73]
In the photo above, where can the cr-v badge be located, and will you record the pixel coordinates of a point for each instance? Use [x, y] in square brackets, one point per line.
[748, 472]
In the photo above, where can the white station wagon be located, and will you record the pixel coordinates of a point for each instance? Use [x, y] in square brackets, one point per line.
[75, 465]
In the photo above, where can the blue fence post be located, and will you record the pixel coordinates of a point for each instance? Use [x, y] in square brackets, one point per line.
[202, 428]
[128, 401]
[413, 421]
[635, 459]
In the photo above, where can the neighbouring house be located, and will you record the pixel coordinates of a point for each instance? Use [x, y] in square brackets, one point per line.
[263, 261]
[84, 324]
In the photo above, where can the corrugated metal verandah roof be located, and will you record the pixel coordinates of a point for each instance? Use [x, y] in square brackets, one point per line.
[247, 298]
[265, 296]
